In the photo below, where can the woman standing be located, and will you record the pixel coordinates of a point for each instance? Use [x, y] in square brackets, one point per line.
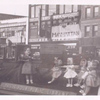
[27, 66]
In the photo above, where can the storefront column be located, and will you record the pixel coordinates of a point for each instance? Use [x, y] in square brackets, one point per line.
[80, 50]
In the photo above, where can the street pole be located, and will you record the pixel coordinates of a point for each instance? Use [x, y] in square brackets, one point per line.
[27, 24]
[39, 22]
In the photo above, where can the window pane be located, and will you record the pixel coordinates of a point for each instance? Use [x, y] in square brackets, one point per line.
[87, 31]
[61, 9]
[88, 12]
[75, 8]
[95, 30]
[37, 11]
[96, 11]
[52, 9]
[43, 10]
[68, 8]
[32, 12]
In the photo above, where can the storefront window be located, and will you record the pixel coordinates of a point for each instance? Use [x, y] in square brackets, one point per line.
[96, 11]
[87, 31]
[88, 12]
[68, 8]
[95, 30]
[52, 9]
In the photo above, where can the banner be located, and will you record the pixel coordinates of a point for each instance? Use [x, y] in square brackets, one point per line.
[66, 32]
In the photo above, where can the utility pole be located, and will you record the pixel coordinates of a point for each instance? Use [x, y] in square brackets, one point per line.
[39, 21]
[27, 24]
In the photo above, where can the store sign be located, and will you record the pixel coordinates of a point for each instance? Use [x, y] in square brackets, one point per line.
[62, 16]
[65, 32]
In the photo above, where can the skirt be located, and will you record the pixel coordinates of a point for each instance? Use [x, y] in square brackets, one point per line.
[27, 68]
[92, 81]
[70, 74]
[79, 76]
[56, 73]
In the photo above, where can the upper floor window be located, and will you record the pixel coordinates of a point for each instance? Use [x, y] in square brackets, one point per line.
[43, 10]
[68, 8]
[87, 31]
[95, 30]
[61, 9]
[75, 8]
[52, 9]
[96, 11]
[32, 12]
[88, 12]
[37, 11]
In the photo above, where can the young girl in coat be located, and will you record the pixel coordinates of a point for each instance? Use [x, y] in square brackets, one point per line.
[70, 73]
[27, 67]
[83, 65]
[91, 79]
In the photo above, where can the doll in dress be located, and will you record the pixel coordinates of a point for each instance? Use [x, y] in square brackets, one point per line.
[56, 70]
[83, 65]
[70, 73]
[91, 79]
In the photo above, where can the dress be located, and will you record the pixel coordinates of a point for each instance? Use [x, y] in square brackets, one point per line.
[56, 69]
[27, 66]
[70, 72]
[56, 72]
[82, 71]
[92, 79]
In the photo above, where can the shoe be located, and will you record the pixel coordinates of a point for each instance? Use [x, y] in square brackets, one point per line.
[31, 81]
[82, 86]
[68, 85]
[49, 82]
[27, 82]
[71, 85]
[81, 91]
[77, 85]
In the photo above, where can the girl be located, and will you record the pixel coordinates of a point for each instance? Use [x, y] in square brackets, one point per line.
[56, 69]
[27, 67]
[83, 65]
[70, 73]
[91, 79]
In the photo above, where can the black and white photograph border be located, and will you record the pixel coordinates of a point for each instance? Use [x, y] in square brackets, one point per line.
[50, 52]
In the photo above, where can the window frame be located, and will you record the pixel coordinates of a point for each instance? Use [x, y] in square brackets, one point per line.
[86, 14]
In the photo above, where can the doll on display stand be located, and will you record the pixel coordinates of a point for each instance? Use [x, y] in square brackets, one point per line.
[70, 73]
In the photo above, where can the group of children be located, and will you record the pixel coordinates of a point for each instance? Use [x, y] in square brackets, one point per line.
[86, 78]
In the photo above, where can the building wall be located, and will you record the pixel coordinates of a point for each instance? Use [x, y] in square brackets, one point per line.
[91, 21]
[70, 15]
[14, 30]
